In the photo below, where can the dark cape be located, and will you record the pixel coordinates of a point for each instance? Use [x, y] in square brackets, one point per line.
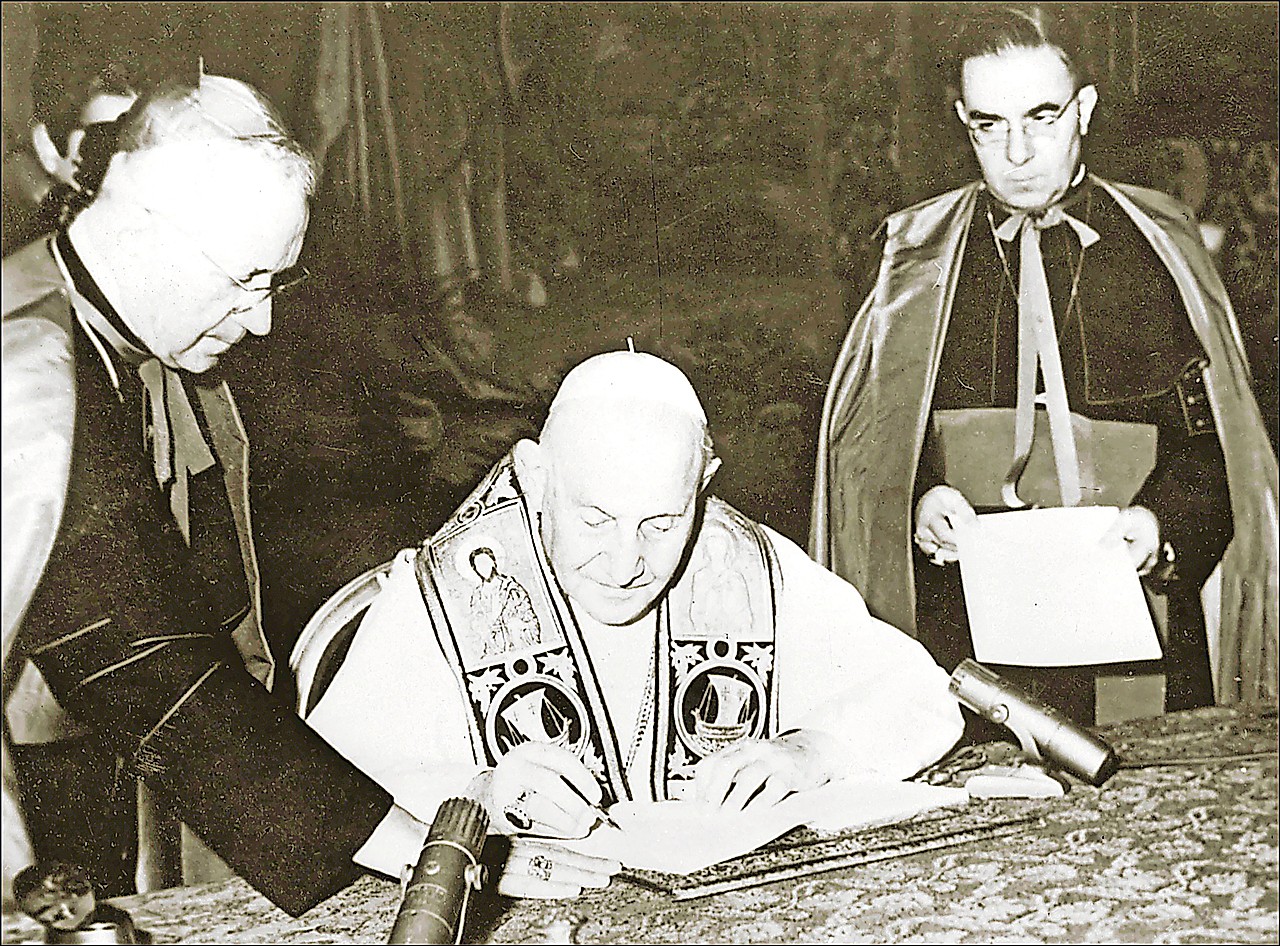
[881, 398]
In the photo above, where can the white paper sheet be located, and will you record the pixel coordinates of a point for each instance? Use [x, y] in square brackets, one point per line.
[1043, 590]
[680, 837]
[684, 836]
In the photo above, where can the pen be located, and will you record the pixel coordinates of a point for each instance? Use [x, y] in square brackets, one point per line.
[596, 809]
[604, 816]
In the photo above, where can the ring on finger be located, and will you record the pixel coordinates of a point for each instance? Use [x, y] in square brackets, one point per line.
[519, 817]
[540, 866]
[517, 814]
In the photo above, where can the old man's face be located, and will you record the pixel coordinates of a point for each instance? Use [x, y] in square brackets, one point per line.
[619, 506]
[1026, 120]
[207, 255]
[484, 564]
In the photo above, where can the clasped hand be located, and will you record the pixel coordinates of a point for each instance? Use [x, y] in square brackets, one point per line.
[939, 513]
[546, 791]
[1139, 530]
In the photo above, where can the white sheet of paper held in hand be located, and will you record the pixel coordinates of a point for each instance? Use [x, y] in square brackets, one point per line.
[680, 837]
[1043, 590]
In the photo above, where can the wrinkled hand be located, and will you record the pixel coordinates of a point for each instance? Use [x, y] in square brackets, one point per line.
[547, 871]
[761, 772]
[532, 791]
[938, 513]
[1139, 529]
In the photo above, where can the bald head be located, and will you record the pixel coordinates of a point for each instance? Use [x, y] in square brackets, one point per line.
[629, 377]
[617, 476]
[642, 398]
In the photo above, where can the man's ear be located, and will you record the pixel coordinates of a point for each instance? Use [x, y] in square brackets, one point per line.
[1088, 98]
[531, 470]
[710, 471]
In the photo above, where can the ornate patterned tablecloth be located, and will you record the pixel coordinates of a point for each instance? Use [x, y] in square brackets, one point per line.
[1168, 852]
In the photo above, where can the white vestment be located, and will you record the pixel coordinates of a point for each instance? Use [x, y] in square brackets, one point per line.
[396, 710]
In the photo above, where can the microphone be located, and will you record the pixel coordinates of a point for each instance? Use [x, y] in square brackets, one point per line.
[435, 901]
[1042, 730]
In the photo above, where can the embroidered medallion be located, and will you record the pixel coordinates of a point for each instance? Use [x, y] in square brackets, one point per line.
[721, 700]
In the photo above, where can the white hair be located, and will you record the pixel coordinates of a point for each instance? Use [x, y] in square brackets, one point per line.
[218, 112]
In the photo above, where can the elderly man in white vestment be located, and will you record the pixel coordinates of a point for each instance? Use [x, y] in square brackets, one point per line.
[623, 689]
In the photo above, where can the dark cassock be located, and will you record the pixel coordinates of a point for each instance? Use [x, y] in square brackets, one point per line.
[1152, 366]
[131, 586]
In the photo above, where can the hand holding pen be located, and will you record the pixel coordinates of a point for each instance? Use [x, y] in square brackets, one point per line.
[543, 790]
[602, 816]
[538, 793]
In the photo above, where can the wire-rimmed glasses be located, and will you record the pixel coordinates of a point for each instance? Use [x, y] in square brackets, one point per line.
[992, 130]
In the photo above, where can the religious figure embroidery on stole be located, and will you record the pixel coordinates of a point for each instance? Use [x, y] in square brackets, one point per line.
[720, 601]
[502, 622]
[502, 617]
[716, 649]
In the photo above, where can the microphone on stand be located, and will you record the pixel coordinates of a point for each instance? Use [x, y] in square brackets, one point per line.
[1043, 731]
[435, 901]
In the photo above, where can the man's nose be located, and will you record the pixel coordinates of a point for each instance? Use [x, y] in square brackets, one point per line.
[626, 560]
[257, 319]
[1019, 149]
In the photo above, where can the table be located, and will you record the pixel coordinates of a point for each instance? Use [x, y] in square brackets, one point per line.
[1182, 849]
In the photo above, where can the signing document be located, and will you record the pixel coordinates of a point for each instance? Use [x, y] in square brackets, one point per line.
[1043, 590]
[680, 837]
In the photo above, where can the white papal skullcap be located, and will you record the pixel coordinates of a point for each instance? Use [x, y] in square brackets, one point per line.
[631, 377]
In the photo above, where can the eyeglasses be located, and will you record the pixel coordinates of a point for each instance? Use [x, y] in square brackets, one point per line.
[282, 281]
[987, 131]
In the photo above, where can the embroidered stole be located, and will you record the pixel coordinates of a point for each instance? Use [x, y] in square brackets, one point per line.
[509, 633]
